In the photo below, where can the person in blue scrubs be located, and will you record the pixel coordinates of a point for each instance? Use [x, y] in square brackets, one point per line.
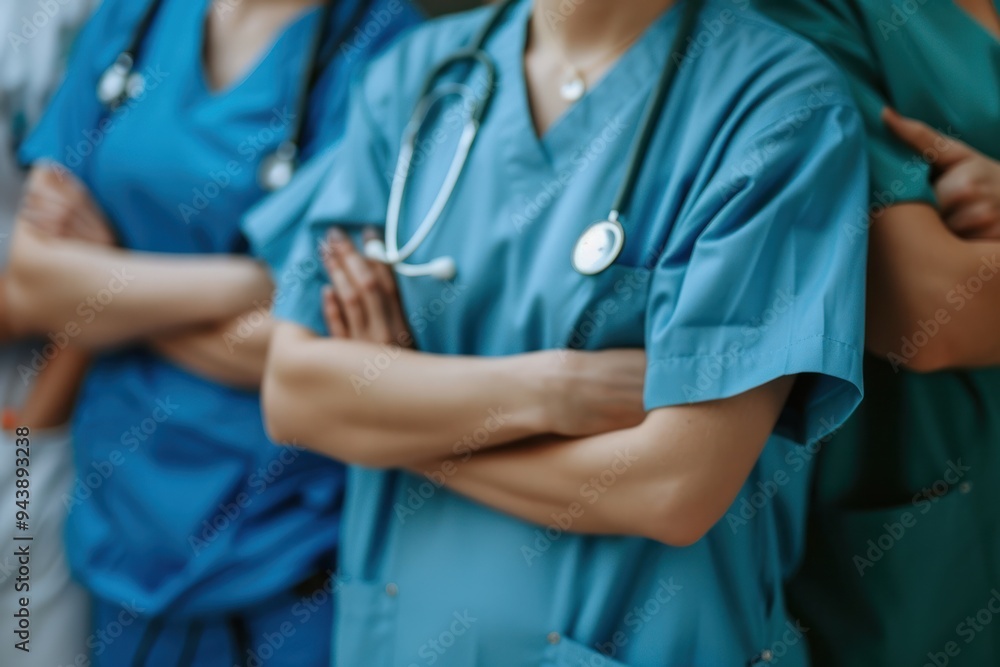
[558, 469]
[202, 543]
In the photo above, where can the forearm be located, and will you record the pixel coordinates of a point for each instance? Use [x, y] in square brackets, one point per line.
[669, 479]
[384, 407]
[50, 401]
[232, 353]
[934, 299]
[7, 332]
[108, 296]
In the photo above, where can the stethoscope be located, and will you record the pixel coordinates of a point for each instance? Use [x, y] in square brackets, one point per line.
[598, 246]
[121, 83]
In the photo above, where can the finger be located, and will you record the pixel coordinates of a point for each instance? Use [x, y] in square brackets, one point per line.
[333, 315]
[940, 150]
[43, 214]
[360, 273]
[958, 186]
[347, 293]
[974, 220]
[382, 272]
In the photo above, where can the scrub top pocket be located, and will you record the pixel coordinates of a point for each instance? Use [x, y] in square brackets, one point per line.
[881, 552]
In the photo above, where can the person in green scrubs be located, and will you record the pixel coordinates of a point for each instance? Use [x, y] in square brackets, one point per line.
[903, 552]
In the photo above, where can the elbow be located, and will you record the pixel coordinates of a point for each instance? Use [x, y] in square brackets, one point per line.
[680, 531]
[679, 519]
[279, 396]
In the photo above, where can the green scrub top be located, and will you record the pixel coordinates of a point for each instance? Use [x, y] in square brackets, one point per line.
[903, 550]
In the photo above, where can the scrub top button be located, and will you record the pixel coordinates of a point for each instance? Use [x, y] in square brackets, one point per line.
[554, 638]
[392, 590]
[965, 487]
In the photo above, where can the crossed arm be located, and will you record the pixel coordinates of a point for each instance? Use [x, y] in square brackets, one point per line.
[567, 421]
[933, 272]
[66, 276]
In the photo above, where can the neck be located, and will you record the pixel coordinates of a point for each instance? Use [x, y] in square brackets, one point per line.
[583, 26]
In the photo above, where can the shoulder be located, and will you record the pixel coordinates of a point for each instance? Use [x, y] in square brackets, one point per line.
[762, 73]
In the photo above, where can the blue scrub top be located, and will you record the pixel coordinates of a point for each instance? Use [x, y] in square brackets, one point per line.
[737, 269]
[182, 505]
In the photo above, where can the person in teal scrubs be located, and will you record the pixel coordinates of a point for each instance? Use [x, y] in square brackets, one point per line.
[559, 469]
[202, 542]
[902, 564]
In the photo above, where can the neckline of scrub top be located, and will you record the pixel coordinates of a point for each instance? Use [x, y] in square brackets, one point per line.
[969, 17]
[635, 70]
[256, 64]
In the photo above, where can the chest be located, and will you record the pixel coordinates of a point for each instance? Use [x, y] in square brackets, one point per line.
[511, 225]
[177, 167]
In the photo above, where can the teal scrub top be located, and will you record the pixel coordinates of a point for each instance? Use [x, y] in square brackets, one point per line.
[736, 270]
[182, 506]
[903, 559]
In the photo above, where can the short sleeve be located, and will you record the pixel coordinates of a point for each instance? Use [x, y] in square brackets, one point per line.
[347, 185]
[897, 174]
[74, 121]
[771, 279]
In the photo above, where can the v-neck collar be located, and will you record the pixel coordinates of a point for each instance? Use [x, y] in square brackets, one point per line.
[990, 35]
[627, 82]
[260, 62]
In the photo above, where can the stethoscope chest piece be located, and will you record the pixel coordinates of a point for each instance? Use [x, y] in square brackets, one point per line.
[278, 168]
[113, 85]
[598, 247]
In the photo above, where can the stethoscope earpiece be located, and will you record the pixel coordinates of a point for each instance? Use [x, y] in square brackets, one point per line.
[440, 268]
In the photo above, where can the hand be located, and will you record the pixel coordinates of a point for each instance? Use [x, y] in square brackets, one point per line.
[57, 204]
[966, 183]
[594, 392]
[362, 303]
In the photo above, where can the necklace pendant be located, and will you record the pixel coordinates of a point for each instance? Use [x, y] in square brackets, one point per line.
[573, 89]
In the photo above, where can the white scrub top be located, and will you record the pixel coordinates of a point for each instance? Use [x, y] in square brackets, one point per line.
[737, 269]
